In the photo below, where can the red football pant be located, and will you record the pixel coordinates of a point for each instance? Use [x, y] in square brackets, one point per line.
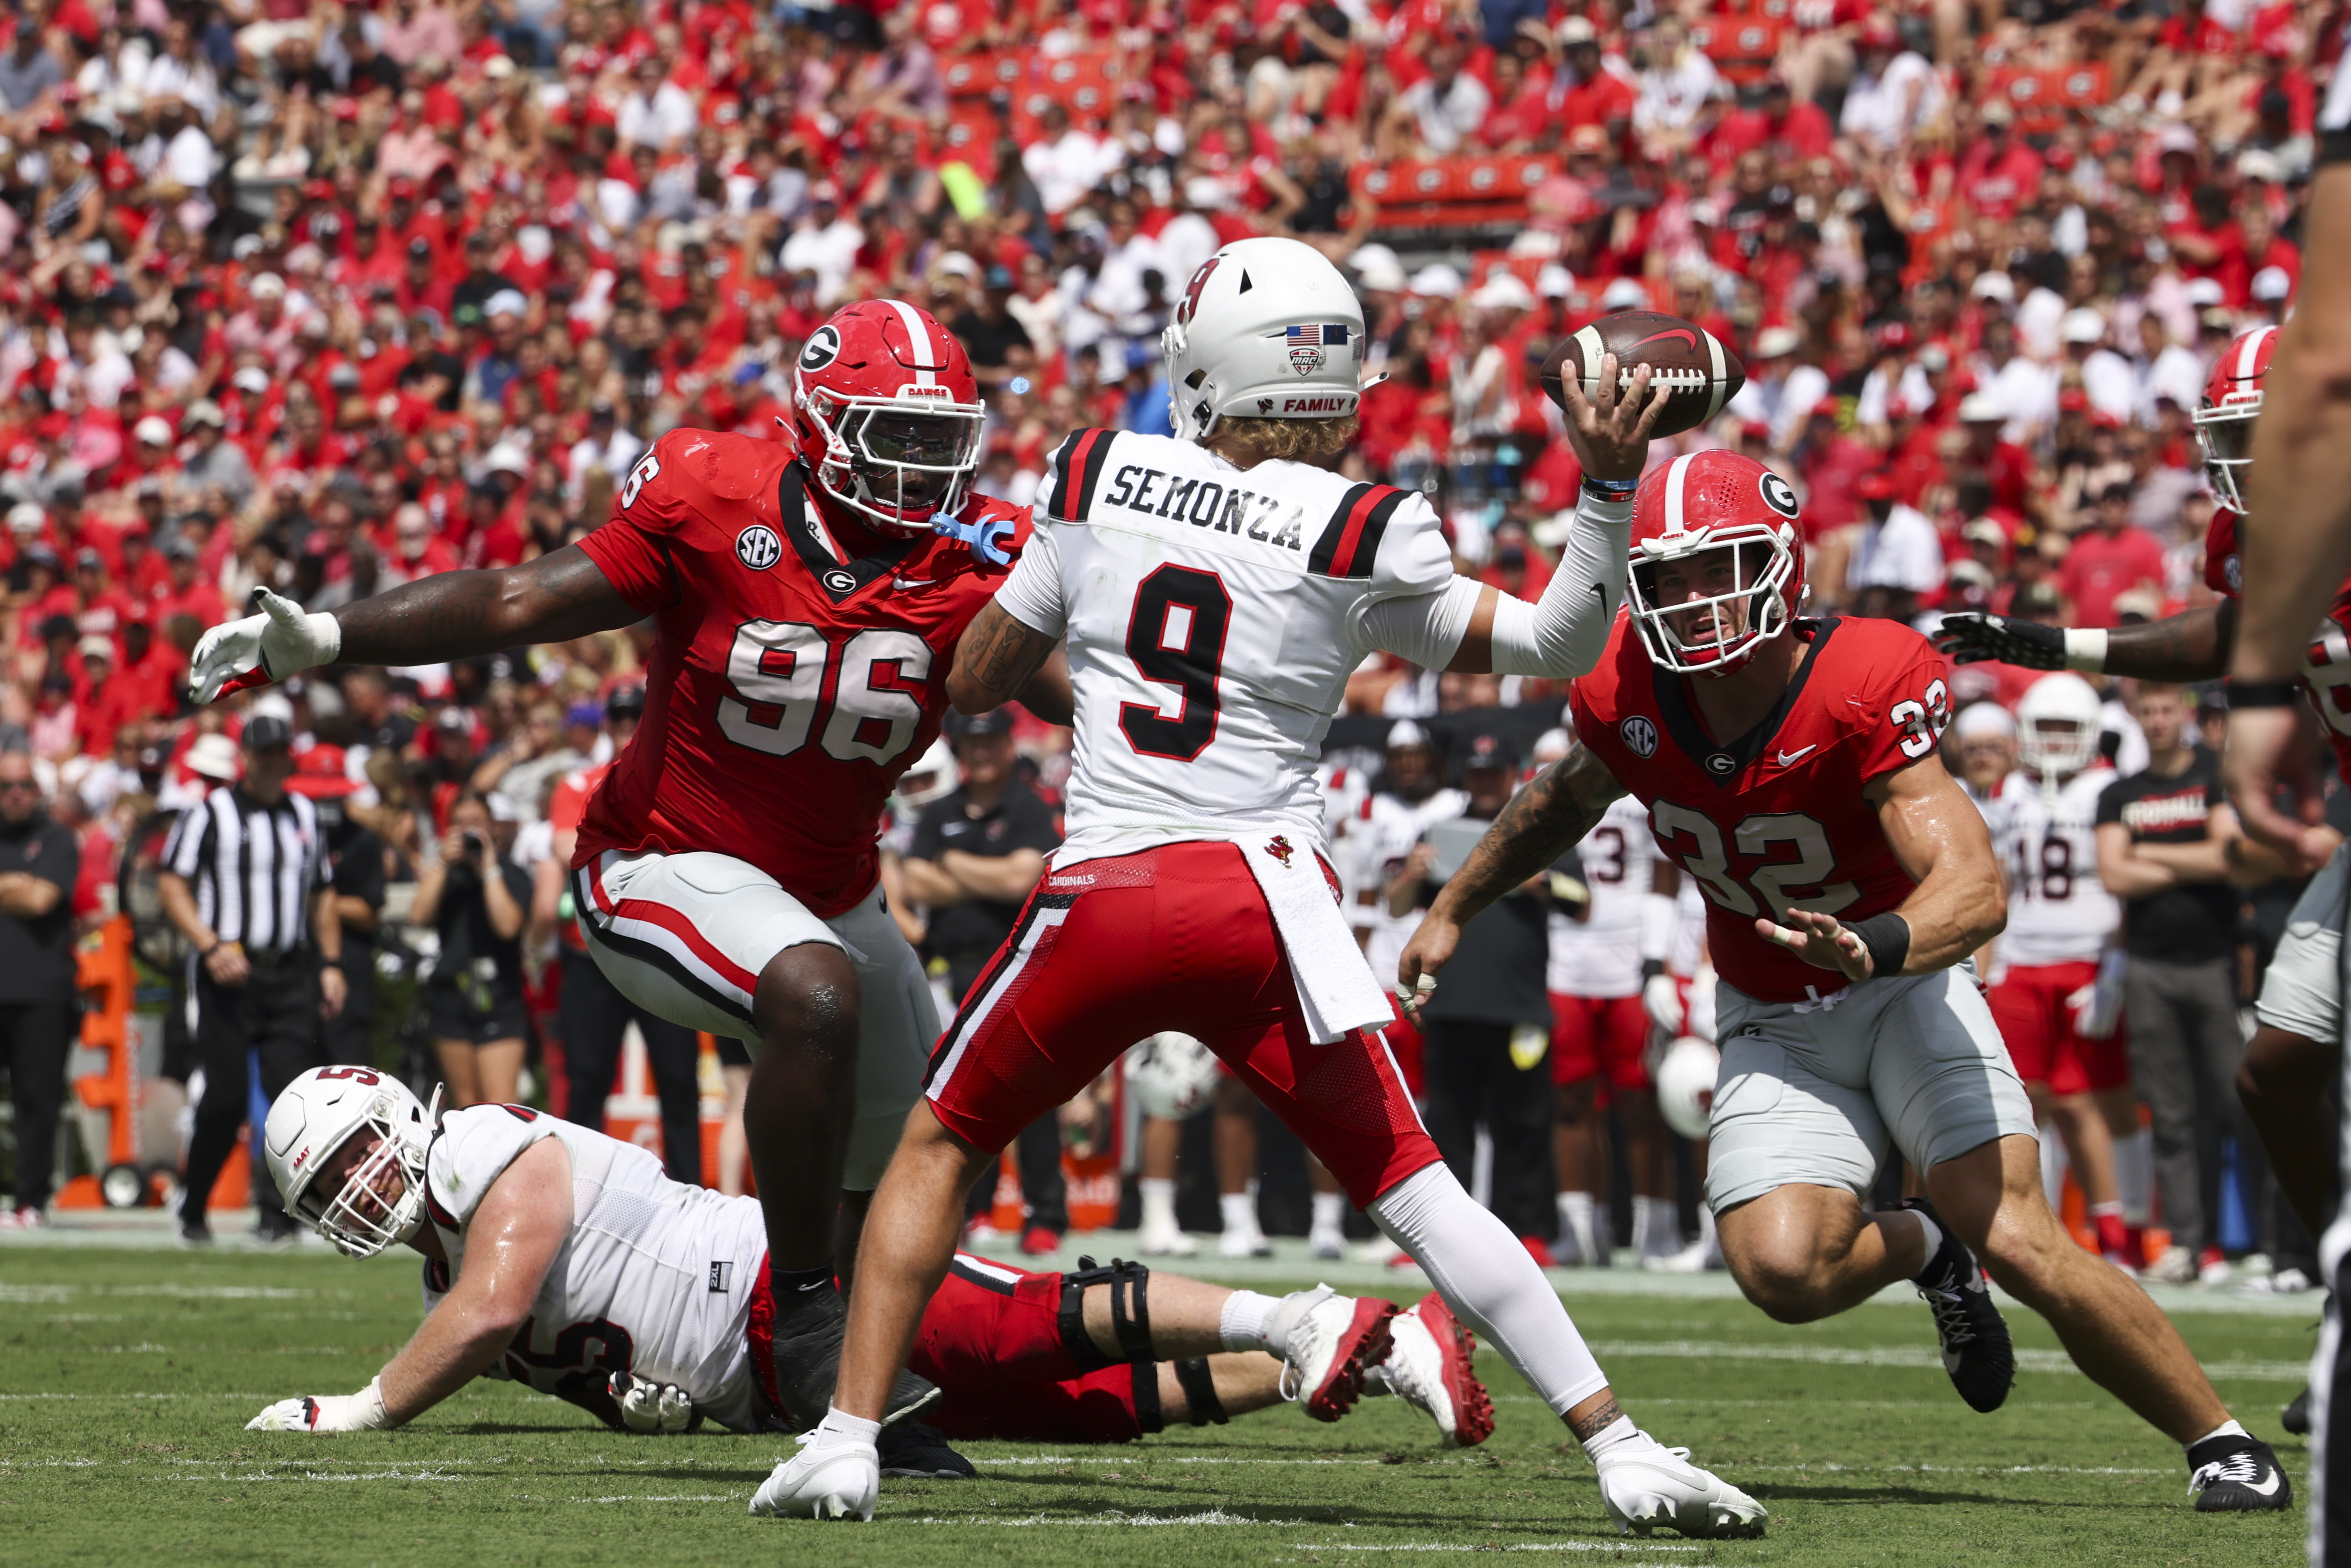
[991, 1339]
[2029, 1008]
[1178, 937]
[1599, 1036]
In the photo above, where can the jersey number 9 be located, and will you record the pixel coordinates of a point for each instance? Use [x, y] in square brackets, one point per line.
[1177, 637]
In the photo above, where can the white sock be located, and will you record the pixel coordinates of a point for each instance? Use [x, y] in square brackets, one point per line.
[2053, 1162]
[2135, 1175]
[1706, 1228]
[1159, 1202]
[838, 1427]
[2225, 1430]
[1286, 1313]
[1244, 1319]
[1575, 1224]
[1934, 1235]
[1619, 1431]
[1330, 1212]
[1240, 1209]
[1486, 1276]
[1656, 1228]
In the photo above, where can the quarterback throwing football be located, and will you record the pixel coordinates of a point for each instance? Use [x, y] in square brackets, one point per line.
[809, 597]
[1789, 767]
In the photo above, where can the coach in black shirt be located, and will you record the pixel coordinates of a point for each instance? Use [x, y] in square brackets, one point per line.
[2163, 840]
[977, 852]
[246, 878]
[38, 861]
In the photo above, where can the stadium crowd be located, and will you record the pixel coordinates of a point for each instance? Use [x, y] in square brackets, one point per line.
[329, 298]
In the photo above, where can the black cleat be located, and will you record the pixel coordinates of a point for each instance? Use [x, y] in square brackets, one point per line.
[912, 1450]
[806, 1344]
[1976, 1352]
[2296, 1417]
[2237, 1474]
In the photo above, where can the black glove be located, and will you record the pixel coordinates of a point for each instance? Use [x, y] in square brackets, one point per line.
[1971, 636]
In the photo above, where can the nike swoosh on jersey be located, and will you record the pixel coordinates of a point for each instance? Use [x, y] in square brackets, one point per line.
[903, 583]
[1788, 757]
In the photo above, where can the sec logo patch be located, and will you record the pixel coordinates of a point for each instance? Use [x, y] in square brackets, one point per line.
[758, 547]
[1640, 736]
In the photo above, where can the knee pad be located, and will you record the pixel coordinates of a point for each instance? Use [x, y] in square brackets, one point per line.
[1130, 1312]
[1200, 1391]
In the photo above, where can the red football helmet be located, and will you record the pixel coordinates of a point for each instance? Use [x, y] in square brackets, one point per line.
[1706, 502]
[2224, 421]
[889, 414]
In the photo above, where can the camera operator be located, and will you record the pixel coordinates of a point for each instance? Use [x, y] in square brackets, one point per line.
[474, 897]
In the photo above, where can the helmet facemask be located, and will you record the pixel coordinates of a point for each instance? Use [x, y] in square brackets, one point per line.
[380, 1202]
[2226, 434]
[902, 463]
[1705, 602]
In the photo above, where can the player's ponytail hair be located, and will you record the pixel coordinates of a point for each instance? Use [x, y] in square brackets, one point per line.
[1290, 440]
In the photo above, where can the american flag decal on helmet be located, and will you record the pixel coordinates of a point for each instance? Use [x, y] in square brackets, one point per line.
[1333, 335]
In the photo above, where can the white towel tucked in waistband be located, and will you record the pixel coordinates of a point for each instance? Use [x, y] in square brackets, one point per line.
[1334, 985]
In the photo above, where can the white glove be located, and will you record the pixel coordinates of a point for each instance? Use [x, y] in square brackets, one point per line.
[648, 1406]
[2098, 1005]
[281, 641]
[1662, 999]
[360, 1412]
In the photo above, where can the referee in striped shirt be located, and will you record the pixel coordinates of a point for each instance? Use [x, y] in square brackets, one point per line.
[245, 878]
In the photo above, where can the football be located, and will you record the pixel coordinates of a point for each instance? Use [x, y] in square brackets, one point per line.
[1685, 1079]
[1703, 374]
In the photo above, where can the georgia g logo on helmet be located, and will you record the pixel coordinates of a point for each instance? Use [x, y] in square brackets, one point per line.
[822, 347]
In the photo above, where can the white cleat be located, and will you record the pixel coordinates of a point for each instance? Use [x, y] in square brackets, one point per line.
[1429, 1367]
[1645, 1487]
[1698, 1258]
[840, 1480]
[1240, 1243]
[1326, 1246]
[1154, 1242]
[1332, 1341]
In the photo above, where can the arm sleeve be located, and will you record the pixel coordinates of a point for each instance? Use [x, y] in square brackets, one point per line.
[1425, 628]
[1032, 595]
[1562, 633]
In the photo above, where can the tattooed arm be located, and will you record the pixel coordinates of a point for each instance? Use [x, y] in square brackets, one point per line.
[1000, 659]
[1541, 822]
[465, 614]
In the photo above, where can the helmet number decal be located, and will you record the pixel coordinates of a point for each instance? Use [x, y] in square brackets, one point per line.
[1778, 494]
[822, 347]
[1189, 306]
[637, 479]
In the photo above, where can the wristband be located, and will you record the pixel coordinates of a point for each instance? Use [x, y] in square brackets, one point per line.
[330, 963]
[1887, 937]
[1651, 968]
[2263, 694]
[208, 952]
[1611, 489]
[2086, 650]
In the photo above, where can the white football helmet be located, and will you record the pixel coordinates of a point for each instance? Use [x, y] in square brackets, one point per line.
[931, 776]
[1172, 1076]
[2057, 724]
[1685, 1079]
[1266, 328]
[317, 1115]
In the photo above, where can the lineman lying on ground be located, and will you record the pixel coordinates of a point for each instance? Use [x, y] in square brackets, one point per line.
[566, 1259]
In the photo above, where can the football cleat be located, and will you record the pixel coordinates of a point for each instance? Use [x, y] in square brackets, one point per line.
[1326, 1246]
[914, 1450]
[807, 1346]
[1156, 1241]
[1429, 1367]
[1977, 1351]
[2297, 1417]
[1330, 1345]
[1238, 1242]
[840, 1480]
[2237, 1474]
[1645, 1484]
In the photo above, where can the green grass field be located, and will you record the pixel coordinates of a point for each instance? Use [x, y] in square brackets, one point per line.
[126, 1378]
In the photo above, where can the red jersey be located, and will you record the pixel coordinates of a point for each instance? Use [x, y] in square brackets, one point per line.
[2326, 664]
[788, 688]
[1775, 817]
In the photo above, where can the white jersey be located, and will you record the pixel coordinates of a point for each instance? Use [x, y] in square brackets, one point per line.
[656, 1278]
[1393, 826]
[1213, 615]
[2058, 910]
[1689, 949]
[1601, 957]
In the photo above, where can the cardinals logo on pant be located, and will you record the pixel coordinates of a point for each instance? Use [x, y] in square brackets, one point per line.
[1280, 849]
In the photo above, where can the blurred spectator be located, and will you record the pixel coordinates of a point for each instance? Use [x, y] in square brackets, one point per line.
[38, 868]
[474, 898]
